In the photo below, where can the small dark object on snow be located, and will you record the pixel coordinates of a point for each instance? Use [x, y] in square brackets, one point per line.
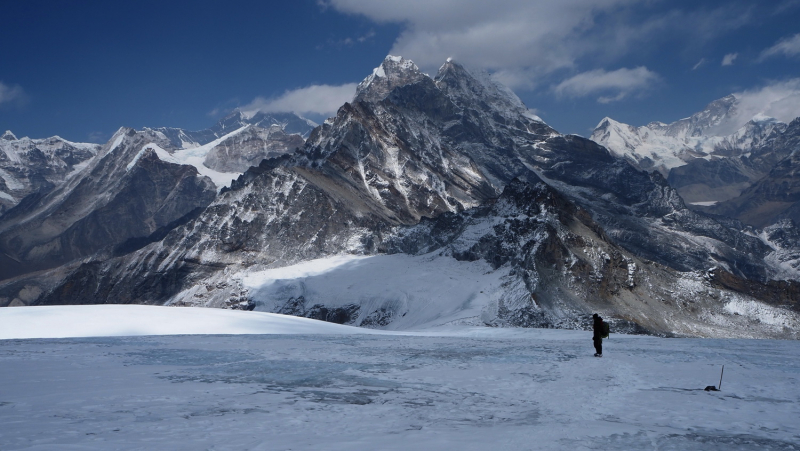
[713, 387]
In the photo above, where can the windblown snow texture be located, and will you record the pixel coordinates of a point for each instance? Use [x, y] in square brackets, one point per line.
[324, 386]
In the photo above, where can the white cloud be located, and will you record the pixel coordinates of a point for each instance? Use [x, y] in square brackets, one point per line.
[314, 99]
[728, 59]
[527, 43]
[11, 94]
[787, 47]
[614, 85]
[97, 137]
[519, 39]
[779, 99]
[699, 63]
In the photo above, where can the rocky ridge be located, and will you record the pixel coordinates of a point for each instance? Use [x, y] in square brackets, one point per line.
[407, 167]
[28, 166]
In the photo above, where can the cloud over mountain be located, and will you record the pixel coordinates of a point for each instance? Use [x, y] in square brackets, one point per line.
[316, 99]
[523, 42]
[614, 85]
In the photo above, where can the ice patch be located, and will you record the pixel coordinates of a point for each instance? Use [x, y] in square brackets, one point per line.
[415, 291]
[761, 312]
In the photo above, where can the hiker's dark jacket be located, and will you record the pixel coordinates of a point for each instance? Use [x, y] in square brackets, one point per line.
[598, 328]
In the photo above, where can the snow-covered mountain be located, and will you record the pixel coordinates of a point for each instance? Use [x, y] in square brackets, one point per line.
[29, 166]
[776, 195]
[127, 190]
[138, 184]
[420, 174]
[746, 175]
[700, 157]
[289, 123]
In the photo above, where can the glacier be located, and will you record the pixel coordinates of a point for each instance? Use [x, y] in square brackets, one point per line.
[316, 385]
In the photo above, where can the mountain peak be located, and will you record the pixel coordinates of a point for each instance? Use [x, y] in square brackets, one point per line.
[468, 88]
[8, 136]
[606, 122]
[394, 71]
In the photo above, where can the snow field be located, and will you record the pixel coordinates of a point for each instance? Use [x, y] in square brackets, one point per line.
[136, 320]
[455, 388]
[420, 291]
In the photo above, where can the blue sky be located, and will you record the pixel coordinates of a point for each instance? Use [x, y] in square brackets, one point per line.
[82, 69]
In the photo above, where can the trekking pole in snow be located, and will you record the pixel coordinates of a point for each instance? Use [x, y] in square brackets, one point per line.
[713, 388]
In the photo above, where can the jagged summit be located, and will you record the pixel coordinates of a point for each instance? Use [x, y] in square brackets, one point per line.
[705, 122]
[465, 88]
[394, 71]
[477, 89]
[8, 136]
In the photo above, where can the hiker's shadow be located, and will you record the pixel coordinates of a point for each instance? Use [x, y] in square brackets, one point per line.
[679, 390]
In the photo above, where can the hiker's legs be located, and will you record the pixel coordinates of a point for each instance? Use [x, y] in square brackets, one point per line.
[598, 345]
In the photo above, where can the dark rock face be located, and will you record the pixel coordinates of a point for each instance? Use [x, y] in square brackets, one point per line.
[339, 315]
[566, 267]
[701, 180]
[111, 203]
[550, 243]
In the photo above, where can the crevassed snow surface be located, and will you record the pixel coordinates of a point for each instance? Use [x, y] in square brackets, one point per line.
[446, 389]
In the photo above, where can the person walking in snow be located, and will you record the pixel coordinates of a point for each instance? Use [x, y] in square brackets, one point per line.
[597, 328]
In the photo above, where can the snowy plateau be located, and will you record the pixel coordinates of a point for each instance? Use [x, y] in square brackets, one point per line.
[145, 377]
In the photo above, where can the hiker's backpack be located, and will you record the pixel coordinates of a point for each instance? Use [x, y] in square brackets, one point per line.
[606, 329]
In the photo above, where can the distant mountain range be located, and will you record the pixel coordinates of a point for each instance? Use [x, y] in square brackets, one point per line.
[450, 171]
[744, 175]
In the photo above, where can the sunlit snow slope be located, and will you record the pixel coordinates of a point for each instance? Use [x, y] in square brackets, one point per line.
[132, 320]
